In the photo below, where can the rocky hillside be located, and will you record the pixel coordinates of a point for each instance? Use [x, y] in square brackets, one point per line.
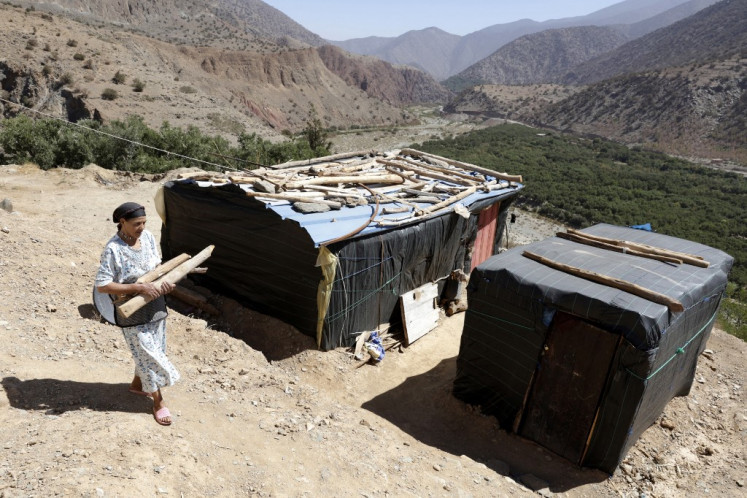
[396, 85]
[230, 24]
[65, 68]
[688, 111]
[716, 33]
[539, 58]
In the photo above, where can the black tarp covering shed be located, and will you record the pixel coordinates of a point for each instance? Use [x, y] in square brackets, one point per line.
[268, 259]
[580, 367]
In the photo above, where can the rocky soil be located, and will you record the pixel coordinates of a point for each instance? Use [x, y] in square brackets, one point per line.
[259, 411]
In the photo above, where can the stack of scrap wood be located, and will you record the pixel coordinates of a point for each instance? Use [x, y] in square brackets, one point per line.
[414, 183]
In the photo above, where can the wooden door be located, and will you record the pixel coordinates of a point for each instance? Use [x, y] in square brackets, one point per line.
[564, 399]
[487, 223]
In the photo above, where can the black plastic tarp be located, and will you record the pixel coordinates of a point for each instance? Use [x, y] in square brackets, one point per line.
[271, 263]
[514, 300]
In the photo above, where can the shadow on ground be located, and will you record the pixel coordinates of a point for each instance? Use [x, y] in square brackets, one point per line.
[424, 407]
[55, 396]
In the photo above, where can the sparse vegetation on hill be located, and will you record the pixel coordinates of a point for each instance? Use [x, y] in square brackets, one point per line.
[50, 143]
[581, 182]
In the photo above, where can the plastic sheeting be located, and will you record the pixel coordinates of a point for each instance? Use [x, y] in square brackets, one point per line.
[271, 262]
[512, 305]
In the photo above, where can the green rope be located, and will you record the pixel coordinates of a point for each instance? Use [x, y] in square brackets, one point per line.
[343, 312]
[680, 350]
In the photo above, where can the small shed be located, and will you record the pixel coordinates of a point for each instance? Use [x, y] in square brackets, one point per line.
[330, 245]
[582, 362]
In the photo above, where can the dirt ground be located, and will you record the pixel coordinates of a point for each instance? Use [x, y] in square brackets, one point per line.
[279, 418]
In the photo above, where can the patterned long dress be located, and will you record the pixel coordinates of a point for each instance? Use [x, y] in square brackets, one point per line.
[122, 264]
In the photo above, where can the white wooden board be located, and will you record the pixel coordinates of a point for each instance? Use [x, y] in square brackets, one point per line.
[419, 311]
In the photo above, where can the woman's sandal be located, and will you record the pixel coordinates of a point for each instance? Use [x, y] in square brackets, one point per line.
[161, 415]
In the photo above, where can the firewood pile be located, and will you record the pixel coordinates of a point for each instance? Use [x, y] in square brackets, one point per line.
[413, 183]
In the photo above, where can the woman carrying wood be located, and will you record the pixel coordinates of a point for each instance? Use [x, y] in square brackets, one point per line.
[129, 254]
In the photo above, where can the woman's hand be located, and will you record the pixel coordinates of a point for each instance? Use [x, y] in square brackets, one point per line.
[167, 287]
[149, 290]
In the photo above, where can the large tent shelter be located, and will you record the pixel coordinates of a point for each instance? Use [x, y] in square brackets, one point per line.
[582, 364]
[329, 245]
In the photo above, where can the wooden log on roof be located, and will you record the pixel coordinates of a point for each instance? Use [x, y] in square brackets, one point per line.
[611, 247]
[334, 180]
[317, 160]
[624, 285]
[690, 259]
[296, 197]
[467, 166]
[447, 171]
[448, 202]
[428, 173]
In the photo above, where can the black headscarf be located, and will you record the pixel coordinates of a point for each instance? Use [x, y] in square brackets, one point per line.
[128, 210]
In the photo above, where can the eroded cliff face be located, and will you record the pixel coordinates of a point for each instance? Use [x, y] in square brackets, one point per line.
[398, 85]
[59, 66]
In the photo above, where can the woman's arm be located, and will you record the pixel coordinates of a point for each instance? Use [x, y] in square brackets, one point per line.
[146, 289]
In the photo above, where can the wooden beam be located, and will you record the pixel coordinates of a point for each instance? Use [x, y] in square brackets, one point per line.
[317, 160]
[467, 166]
[611, 247]
[616, 283]
[429, 173]
[690, 259]
[334, 180]
[127, 309]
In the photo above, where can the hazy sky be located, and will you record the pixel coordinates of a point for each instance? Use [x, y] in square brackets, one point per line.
[345, 19]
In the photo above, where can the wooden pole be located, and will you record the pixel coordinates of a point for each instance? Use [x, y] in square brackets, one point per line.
[467, 166]
[194, 298]
[690, 259]
[163, 269]
[611, 247]
[617, 283]
[334, 180]
[127, 309]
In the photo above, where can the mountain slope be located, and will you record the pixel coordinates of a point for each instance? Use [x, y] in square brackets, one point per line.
[693, 110]
[379, 79]
[233, 24]
[539, 57]
[716, 33]
[62, 67]
[457, 53]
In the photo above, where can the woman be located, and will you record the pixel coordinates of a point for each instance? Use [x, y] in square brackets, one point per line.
[128, 255]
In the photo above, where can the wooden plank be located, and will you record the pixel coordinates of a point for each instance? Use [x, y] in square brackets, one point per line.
[611, 247]
[617, 283]
[127, 309]
[690, 259]
[419, 311]
[568, 386]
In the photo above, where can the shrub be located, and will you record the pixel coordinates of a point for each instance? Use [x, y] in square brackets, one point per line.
[72, 43]
[78, 56]
[187, 89]
[137, 85]
[66, 79]
[119, 77]
[109, 94]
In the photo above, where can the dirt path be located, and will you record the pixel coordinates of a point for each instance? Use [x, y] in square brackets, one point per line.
[304, 423]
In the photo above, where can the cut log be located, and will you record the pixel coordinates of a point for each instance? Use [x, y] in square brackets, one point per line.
[194, 298]
[297, 197]
[161, 270]
[447, 202]
[429, 173]
[617, 283]
[467, 166]
[690, 259]
[611, 247]
[131, 306]
[334, 180]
